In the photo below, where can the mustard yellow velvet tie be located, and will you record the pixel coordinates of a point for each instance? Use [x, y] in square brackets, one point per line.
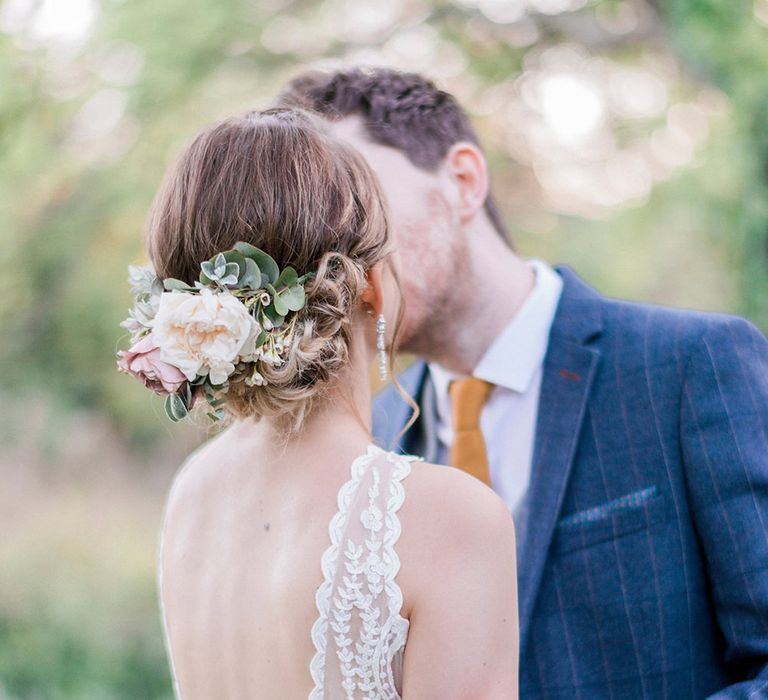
[468, 396]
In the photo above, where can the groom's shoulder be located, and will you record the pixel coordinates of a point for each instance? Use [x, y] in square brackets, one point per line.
[665, 329]
[640, 333]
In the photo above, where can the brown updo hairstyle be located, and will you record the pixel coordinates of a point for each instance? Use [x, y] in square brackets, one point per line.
[278, 180]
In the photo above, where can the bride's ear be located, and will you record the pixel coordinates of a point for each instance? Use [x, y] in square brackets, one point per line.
[373, 295]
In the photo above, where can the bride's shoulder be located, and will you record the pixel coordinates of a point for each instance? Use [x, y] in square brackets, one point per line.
[195, 482]
[449, 507]
[451, 522]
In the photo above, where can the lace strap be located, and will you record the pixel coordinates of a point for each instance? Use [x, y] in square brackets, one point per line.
[402, 468]
[359, 601]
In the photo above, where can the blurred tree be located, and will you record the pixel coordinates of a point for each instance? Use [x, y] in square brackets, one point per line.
[626, 137]
[87, 130]
[723, 43]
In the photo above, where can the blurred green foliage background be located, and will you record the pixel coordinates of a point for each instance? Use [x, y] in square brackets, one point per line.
[628, 138]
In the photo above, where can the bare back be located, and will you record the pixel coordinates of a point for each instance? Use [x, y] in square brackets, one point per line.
[241, 568]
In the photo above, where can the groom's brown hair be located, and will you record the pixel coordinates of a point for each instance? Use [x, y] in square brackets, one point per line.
[405, 111]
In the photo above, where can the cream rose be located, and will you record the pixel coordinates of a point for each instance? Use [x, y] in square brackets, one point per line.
[203, 333]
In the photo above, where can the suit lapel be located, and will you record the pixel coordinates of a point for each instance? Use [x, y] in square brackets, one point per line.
[426, 432]
[569, 369]
[421, 437]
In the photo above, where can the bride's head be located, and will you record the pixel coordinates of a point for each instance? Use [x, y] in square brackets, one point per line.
[277, 180]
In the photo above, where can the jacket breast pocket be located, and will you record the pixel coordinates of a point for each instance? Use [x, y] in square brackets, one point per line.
[619, 517]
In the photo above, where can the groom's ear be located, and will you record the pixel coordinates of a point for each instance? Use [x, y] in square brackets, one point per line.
[373, 295]
[465, 173]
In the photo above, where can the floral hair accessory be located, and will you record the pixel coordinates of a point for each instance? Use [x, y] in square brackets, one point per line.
[190, 340]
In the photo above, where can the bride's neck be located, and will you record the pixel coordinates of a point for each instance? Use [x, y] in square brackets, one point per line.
[341, 417]
[343, 413]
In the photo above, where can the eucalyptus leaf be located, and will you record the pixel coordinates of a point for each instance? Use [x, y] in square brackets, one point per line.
[219, 265]
[168, 411]
[187, 396]
[171, 283]
[288, 278]
[266, 263]
[207, 270]
[216, 415]
[271, 313]
[251, 277]
[293, 298]
[234, 256]
[280, 306]
[304, 278]
[175, 408]
[230, 274]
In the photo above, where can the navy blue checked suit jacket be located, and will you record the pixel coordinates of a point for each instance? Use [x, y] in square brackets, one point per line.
[643, 550]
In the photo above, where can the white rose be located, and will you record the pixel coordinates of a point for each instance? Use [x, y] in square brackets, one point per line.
[203, 333]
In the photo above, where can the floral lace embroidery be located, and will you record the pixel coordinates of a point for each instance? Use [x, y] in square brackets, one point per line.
[365, 642]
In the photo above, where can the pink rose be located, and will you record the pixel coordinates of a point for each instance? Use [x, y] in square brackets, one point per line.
[143, 362]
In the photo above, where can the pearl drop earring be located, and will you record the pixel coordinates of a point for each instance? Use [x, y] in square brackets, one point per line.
[381, 325]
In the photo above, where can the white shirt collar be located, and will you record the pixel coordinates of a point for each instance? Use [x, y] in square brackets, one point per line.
[518, 352]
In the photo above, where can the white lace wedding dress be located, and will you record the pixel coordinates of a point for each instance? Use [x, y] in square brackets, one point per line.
[359, 634]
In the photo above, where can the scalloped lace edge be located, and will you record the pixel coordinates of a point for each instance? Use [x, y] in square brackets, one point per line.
[330, 556]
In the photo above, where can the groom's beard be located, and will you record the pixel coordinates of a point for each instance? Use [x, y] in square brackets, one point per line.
[437, 294]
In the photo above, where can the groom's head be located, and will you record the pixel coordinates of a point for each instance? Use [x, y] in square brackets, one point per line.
[422, 146]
